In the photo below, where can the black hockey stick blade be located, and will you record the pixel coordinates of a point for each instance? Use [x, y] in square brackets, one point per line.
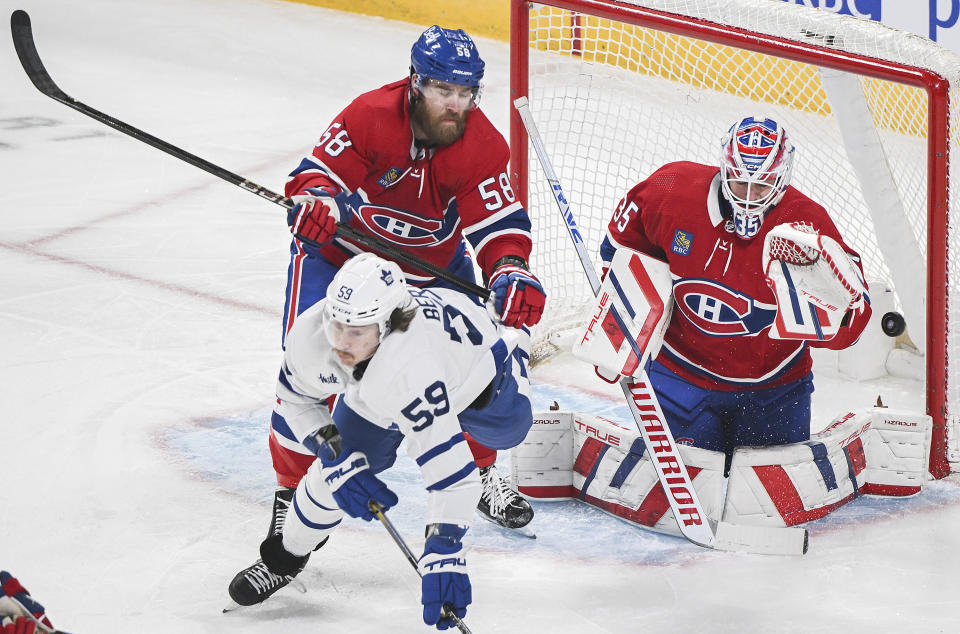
[30, 59]
[23, 42]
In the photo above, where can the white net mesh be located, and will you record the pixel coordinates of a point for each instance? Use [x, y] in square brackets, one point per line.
[614, 101]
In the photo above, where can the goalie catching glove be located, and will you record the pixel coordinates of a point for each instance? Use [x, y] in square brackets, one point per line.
[315, 215]
[518, 296]
[348, 475]
[814, 280]
[443, 568]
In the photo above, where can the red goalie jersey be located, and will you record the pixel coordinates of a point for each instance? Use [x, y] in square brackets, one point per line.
[425, 201]
[718, 337]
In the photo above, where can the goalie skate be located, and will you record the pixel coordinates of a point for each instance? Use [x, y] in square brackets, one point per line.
[502, 504]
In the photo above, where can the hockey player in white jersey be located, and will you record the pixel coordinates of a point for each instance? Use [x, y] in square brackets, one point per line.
[425, 364]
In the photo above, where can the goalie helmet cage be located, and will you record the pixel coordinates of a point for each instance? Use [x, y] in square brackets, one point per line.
[619, 88]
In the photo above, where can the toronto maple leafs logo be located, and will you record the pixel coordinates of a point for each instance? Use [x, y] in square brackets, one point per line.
[387, 277]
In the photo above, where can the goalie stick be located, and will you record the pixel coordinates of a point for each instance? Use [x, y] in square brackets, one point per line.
[648, 416]
[22, 33]
[399, 541]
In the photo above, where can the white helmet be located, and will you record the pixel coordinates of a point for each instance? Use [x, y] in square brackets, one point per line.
[756, 152]
[366, 290]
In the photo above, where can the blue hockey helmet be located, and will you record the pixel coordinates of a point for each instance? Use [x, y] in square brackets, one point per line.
[447, 55]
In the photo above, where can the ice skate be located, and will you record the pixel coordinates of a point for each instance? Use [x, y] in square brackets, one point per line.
[258, 582]
[502, 504]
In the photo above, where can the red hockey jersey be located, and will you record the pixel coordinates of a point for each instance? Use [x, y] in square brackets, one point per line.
[718, 337]
[425, 201]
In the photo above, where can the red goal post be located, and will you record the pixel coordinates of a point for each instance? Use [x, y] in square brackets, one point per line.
[620, 88]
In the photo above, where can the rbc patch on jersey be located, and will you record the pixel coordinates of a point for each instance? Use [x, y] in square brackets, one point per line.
[389, 177]
[681, 242]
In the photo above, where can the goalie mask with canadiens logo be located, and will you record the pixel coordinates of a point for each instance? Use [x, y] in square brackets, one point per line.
[756, 162]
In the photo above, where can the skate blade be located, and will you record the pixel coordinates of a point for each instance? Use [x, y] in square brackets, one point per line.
[522, 531]
[233, 606]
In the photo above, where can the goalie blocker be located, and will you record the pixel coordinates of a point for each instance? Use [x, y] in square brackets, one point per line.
[633, 311]
[875, 451]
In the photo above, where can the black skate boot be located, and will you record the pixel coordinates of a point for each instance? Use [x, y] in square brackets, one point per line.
[282, 498]
[500, 503]
[274, 570]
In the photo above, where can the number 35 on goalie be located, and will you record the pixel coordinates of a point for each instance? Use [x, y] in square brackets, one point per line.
[633, 310]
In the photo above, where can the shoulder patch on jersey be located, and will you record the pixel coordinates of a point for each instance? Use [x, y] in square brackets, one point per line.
[682, 241]
[390, 177]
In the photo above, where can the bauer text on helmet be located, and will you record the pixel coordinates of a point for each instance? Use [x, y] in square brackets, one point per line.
[756, 162]
[444, 56]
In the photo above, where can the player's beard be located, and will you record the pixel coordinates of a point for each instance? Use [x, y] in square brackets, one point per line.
[443, 129]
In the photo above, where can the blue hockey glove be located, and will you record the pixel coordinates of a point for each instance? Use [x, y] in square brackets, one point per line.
[315, 216]
[518, 296]
[445, 582]
[354, 486]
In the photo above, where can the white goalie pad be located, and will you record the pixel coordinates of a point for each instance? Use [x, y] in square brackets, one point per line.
[575, 455]
[813, 279]
[632, 313]
[876, 451]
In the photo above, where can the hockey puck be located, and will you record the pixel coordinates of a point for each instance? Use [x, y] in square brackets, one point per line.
[893, 324]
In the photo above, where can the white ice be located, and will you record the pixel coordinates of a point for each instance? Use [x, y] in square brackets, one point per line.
[140, 313]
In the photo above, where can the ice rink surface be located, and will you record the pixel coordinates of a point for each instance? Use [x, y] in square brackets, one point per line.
[140, 328]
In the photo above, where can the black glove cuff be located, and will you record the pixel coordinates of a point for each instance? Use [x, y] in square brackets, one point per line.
[507, 260]
[511, 260]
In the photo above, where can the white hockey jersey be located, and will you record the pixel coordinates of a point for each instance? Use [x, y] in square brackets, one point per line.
[418, 381]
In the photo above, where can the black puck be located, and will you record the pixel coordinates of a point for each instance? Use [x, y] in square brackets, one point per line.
[892, 324]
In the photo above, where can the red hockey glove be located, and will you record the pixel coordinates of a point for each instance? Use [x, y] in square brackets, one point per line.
[518, 296]
[17, 607]
[315, 216]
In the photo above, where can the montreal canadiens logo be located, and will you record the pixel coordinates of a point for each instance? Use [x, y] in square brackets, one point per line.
[718, 310]
[404, 228]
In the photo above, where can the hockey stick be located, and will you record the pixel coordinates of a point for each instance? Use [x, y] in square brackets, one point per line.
[30, 60]
[648, 416]
[399, 541]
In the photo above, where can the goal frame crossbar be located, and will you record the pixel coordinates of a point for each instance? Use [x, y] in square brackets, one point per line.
[936, 88]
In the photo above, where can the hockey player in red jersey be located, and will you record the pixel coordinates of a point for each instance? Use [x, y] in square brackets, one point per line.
[417, 164]
[735, 366]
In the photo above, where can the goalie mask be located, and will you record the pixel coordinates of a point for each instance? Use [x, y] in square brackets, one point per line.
[448, 56]
[755, 166]
[365, 292]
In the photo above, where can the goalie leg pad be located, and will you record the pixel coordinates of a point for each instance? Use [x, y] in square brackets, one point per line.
[872, 451]
[575, 455]
[542, 465]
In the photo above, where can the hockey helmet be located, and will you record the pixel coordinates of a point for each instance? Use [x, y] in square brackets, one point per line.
[756, 162]
[448, 56]
[366, 290]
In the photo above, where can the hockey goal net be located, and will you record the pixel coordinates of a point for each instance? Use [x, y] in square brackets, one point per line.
[617, 89]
